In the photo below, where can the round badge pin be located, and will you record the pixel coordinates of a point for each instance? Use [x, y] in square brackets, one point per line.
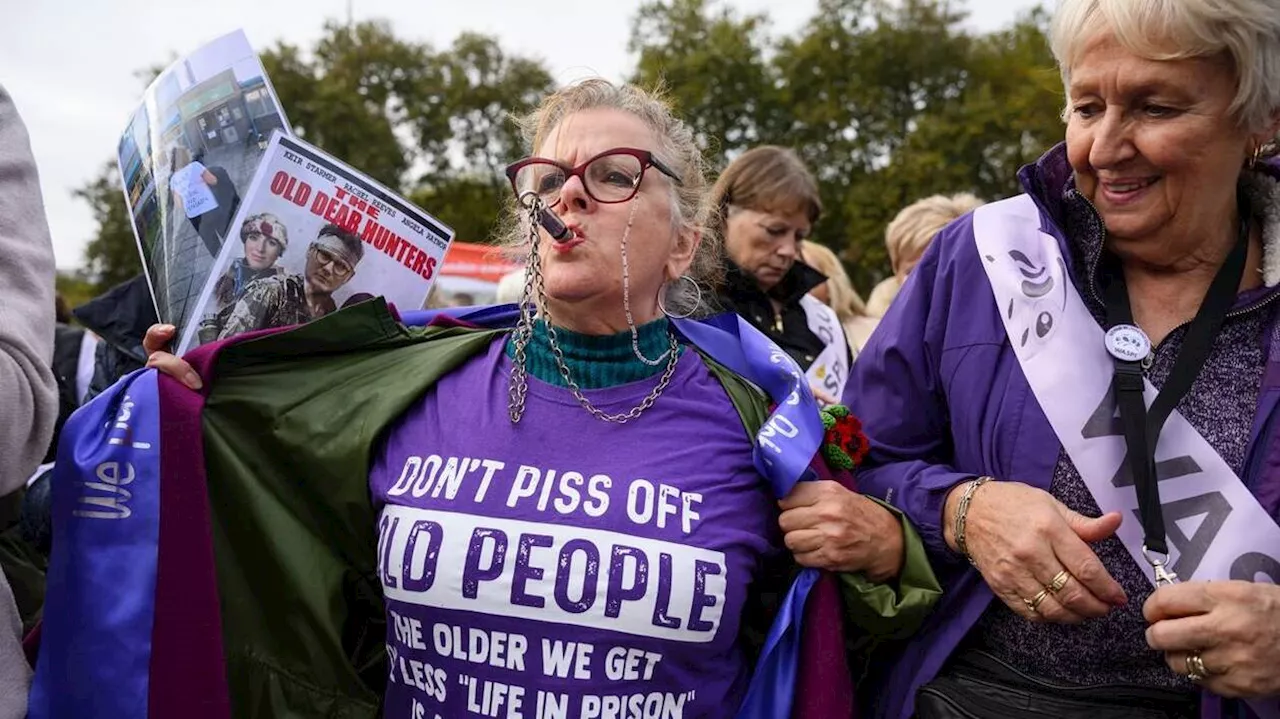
[1129, 343]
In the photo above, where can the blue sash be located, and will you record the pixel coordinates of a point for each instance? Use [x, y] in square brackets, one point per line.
[784, 447]
[95, 653]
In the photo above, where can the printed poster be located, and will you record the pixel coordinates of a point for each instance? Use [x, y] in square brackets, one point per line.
[188, 155]
[313, 236]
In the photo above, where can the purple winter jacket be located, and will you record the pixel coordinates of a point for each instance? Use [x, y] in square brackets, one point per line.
[943, 399]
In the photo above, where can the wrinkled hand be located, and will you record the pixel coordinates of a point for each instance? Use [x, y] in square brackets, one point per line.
[829, 527]
[1020, 537]
[156, 343]
[1234, 625]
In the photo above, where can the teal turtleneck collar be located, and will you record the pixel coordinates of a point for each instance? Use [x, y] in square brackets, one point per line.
[596, 361]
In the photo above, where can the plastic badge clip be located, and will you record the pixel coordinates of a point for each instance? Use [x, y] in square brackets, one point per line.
[1159, 562]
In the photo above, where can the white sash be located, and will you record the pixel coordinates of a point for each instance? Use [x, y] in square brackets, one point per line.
[1216, 528]
[830, 369]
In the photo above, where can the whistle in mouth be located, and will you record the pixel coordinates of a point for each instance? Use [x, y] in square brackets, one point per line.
[554, 226]
[548, 219]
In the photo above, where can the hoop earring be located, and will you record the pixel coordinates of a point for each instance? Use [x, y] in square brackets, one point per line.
[1257, 155]
[697, 303]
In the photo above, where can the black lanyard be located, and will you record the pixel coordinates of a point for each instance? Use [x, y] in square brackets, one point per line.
[1142, 426]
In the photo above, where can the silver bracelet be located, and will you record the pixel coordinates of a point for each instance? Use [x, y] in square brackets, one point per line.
[962, 513]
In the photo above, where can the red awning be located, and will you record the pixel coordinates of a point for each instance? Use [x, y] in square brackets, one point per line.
[480, 262]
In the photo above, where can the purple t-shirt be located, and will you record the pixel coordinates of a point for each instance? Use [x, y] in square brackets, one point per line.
[564, 566]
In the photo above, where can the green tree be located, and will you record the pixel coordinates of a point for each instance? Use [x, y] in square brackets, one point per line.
[480, 88]
[858, 79]
[352, 92]
[1006, 112]
[75, 288]
[714, 63]
[1009, 114]
[111, 257]
[471, 205]
[477, 90]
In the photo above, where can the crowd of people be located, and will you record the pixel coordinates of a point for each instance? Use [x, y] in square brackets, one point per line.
[1036, 473]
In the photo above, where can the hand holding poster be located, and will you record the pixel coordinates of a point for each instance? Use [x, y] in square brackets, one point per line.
[315, 235]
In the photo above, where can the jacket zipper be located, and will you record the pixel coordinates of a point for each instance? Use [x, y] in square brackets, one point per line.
[777, 322]
[1092, 265]
[1258, 449]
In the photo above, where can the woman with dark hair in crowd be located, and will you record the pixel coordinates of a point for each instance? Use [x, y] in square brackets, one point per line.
[764, 205]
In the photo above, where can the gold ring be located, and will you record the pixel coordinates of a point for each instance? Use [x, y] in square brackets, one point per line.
[1034, 603]
[1195, 667]
[1059, 581]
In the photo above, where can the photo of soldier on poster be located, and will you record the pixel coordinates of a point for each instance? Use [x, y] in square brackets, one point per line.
[275, 297]
[314, 236]
[190, 150]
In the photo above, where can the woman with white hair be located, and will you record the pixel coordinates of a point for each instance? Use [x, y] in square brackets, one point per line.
[1093, 375]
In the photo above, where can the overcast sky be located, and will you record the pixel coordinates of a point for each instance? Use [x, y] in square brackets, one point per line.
[70, 64]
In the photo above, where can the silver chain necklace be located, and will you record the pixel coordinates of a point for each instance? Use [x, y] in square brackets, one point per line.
[534, 287]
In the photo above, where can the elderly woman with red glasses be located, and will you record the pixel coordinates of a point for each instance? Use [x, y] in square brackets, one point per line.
[577, 506]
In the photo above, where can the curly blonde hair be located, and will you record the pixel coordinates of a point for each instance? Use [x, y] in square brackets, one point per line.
[914, 227]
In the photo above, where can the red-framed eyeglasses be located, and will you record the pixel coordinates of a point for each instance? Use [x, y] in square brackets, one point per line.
[610, 177]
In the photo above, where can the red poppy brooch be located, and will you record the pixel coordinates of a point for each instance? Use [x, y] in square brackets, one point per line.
[844, 444]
